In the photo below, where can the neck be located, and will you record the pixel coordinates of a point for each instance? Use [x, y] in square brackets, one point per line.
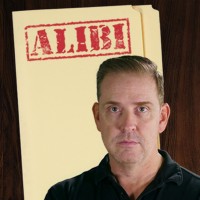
[135, 177]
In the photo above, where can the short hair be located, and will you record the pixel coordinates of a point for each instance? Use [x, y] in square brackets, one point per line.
[136, 64]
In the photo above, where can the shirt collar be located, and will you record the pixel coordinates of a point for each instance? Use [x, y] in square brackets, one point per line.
[170, 171]
[103, 170]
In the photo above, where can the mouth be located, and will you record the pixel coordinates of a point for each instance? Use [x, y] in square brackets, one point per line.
[128, 143]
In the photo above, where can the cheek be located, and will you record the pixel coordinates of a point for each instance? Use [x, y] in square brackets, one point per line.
[107, 137]
[107, 121]
[149, 128]
[108, 129]
[108, 117]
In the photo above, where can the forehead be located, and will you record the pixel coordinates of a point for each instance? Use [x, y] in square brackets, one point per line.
[128, 79]
[128, 85]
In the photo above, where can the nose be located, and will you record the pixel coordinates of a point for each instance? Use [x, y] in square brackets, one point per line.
[128, 122]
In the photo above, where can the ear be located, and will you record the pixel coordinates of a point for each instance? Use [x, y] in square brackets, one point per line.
[164, 116]
[95, 110]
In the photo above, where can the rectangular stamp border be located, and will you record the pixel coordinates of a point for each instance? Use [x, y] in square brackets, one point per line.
[81, 55]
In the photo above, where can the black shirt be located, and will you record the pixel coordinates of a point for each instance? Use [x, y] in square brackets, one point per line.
[172, 182]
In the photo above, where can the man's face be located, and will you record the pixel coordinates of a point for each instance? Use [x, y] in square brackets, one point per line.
[130, 117]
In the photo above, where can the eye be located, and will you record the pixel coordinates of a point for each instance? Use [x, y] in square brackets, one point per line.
[142, 109]
[114, 109]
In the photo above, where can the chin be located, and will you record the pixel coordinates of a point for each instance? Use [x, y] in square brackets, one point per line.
[128, 158]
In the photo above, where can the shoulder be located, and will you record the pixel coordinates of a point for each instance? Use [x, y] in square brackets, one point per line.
[63, 189]
[78, 186]
[183, 183]
[190, 186]
[87, 176]
[190, 178]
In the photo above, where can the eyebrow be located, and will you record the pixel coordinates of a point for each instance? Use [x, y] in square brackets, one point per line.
[110, 102]
[134, 103]
[144, 103]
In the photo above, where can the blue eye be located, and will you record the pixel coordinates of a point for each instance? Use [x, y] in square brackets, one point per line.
[114, 109]
[142, 109]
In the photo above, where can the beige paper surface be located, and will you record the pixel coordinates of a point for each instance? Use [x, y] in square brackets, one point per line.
[56, 83]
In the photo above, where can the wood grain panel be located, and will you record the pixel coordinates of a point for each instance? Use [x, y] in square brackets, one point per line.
[180, 31]
[180, 34]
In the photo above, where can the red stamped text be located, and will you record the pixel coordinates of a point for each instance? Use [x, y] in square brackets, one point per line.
[77, 39]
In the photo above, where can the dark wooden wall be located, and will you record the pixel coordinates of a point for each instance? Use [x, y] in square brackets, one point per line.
[180, 34]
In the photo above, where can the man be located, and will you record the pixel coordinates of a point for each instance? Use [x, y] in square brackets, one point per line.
[130, 114]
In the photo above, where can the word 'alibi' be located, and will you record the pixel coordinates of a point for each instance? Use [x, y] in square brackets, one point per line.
[77, 39]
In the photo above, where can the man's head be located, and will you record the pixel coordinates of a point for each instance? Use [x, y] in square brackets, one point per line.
[130, 112]
[135, 64]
